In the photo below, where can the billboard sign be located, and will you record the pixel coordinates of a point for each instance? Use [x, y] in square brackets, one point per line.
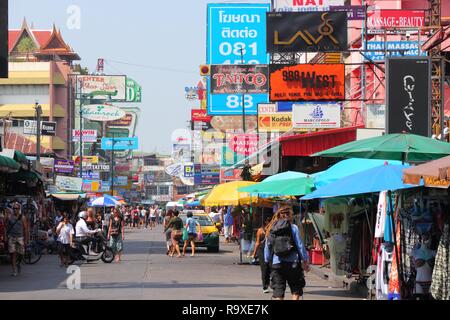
[281, 122]
[267, 108]
[408, 95]
[375, 116]
[307, 32]
[379, 20]
[317, 116]
[305, 5]
[92, 186]
[134, 91]
[64, 166]
[88, 135]
[231, 104]
[230, 175]
[181, 152]
[353, 12]
[90, 175]
[120, 144]
[97, 167]
[244, 144]
[103, 87]
[307, 82]
[87, 160]
[47, 128]
[376, 49]
[188, 171]
[239, 79]
[121, 181]
[206, 174]
[174, 170]
[102, 113]
[69, 183]
[199, 115]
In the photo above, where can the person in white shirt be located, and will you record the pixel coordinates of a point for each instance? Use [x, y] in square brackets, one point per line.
[82, 232]
[65, 234]
[152, 218]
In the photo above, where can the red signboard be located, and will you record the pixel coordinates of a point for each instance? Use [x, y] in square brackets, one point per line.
[244, 144]
[200, 115]
[230, 175]
[383, 19]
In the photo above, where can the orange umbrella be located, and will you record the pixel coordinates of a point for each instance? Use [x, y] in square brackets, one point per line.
[435, 174]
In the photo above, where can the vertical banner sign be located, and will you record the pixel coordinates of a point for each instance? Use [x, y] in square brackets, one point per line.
[234, 29]
[408, 94]
[3, 38]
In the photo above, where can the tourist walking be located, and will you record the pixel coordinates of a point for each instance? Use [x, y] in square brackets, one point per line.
[285, 251]
[191, 227]
[259, 253]
[228, 225]
[17, 234]
[152, 217]
[135, 214]
[168, 231]
[65, 232]
[116, 234]
[177, 234]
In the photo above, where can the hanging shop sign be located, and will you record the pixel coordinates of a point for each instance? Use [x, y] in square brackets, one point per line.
[64, 166]
[102, 113]
[376, 49]
[92, 186]
[206, 174]
[408, 95]
[87, 160]
[243, 144]
[68, 183]
[88, 135]
[47, 128]
[307, 82]
[267, 108]
[120, 144]
[90, 175]
[305, 5]
[307, 32]
[199, 115]
[188, 170]
[126, 121]
[239, 79]
[134, 91]
[281, 122]
[103, 87]
[97, 167]
[316, 116]
[353, 12]
[378, 21]
[230, 28]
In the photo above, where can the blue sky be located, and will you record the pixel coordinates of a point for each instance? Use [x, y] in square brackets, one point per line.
[167, 34]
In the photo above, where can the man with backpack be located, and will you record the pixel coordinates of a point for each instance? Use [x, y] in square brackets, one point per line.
[17, 233]
[285, 253]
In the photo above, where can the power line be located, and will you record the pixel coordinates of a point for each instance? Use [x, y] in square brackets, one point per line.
[151, 67]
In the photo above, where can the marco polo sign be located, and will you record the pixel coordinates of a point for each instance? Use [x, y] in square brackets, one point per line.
[102, 113]
[306, 31]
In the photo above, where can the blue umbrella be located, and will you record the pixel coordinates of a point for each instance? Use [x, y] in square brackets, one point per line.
[385, 177]
[286, 175]
[346, 168]
[105, 201]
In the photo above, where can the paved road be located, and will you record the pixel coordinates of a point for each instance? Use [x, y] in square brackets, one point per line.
[147, 273]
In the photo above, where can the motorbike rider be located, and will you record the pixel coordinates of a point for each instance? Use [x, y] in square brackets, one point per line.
[83, 234]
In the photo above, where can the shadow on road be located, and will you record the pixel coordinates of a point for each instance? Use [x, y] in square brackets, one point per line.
[163, 285]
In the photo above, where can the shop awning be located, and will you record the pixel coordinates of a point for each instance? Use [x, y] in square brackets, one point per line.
[28, 175]
[8, 165]
[68, 196]
[304, 145]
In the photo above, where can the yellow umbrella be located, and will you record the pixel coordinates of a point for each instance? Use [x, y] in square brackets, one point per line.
[227, 195]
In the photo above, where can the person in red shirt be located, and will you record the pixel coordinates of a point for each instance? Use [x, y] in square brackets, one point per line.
[135, 214]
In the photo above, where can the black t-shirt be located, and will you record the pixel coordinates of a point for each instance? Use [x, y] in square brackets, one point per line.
[176, 223]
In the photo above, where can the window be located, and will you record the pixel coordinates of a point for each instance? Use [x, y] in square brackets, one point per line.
[183, 189]
[152, 190]
[164, 190]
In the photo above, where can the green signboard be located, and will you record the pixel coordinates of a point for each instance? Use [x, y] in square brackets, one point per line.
[134, 91]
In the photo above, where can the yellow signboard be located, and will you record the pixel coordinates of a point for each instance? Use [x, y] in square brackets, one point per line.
[281, 122]
[436, 183]
[86, 159]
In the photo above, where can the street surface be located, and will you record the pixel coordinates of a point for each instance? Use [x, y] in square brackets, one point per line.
[147, 273]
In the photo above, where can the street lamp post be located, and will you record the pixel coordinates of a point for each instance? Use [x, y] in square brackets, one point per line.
[38, 109]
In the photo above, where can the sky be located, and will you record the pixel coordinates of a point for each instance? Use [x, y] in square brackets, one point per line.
[159, 43]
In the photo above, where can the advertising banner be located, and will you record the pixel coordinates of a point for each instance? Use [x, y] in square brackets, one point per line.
[64, 166]
[120, 144]
[103, 87]
[230, 28]
[227, 175]
[88, 135]
[238, 79]
[134, 91]
[174, 170]
[122, 167]
[307, 82]
[90, 175]
[47, 128]
[86, 160]
[200, 115]
[267, 108]
[316, 116]
[126, 121]
[353, 12]
[188, 171]
[243, 144]
[376, 49]
[305, 5]
[206, 174]
[121, 181]
[181, 152]
[408, 95]
[69, 183]
[375, 116]
[281, 122]
[97, 167]
[379, 20]
[307, 32]
[92, 186]
[102, 113]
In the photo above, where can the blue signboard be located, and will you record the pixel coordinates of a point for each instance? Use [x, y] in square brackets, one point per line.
[120, 144]
[230, 27]
[285, 106]
[376, 52]
[206, 174]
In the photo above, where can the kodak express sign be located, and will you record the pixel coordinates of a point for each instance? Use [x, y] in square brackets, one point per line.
[307, 82]
[275, 122]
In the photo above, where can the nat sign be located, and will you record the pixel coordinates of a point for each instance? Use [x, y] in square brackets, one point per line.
[408, 95]
[306, 32]
[307, 82]
[235, 79]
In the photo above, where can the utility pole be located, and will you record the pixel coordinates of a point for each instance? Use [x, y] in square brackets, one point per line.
[243, 95]
[81, 128]
[38, 109]
[112, 164]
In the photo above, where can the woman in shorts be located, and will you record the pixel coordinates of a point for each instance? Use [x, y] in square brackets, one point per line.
[191, 226]
[177, 234]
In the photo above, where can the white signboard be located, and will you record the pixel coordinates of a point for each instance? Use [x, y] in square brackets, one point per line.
[69, 183]
[103, 87]
[88, 135]
[175, 170]
[267, 108]
[306, 5]
[102, 113]
[376, 116]
[316, 116]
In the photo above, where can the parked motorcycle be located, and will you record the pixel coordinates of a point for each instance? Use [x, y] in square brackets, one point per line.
[79, 252]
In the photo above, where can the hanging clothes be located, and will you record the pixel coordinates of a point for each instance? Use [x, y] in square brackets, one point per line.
[440, 284]
[384, 263]
[394, 278]
[381, 215]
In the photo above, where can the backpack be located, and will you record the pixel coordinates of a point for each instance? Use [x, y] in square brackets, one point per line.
[281, 239]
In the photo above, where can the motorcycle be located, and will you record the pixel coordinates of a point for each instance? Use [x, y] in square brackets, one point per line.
[79, 253]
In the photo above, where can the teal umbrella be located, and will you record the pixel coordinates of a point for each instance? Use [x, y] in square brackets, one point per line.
[285, 176]
[287, 187]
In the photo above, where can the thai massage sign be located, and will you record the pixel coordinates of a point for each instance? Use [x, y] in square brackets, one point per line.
[378, 21]
[235, 79]
[244, 144]
[307, 82]
[102, 113]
